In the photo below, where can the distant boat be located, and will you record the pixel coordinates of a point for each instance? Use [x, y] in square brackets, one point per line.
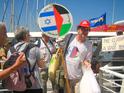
[121, 22]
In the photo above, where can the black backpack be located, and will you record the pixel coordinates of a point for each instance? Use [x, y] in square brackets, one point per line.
[22, 78]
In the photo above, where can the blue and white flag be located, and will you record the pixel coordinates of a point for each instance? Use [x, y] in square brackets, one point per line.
[98, 21]
[55, 20]
[48, 21]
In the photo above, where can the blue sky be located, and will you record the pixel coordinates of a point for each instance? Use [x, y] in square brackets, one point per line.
[80, 10]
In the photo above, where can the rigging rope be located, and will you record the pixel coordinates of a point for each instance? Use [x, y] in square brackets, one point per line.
[20, 13]
[5, 10]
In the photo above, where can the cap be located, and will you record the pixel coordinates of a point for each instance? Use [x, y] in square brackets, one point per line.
[84, 23]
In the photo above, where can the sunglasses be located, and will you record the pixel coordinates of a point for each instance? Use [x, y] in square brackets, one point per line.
[85, 33]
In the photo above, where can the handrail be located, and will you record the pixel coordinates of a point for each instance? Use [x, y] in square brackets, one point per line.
[114, 67]
[109, 89]
[112, 72]
[111, 84]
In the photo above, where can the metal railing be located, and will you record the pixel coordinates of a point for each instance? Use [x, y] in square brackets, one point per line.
[111, 79]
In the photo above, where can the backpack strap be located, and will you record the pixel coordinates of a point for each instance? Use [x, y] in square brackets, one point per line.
[38, 43]
[46, 46]
[67, 44]
[51, 42]
[26, 51]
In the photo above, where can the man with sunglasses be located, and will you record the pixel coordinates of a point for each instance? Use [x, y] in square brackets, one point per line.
[79, 54]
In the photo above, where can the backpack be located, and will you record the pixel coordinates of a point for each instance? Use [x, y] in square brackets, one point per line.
[23, 77]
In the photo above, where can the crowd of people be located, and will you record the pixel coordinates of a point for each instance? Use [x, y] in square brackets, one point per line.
[78, 54]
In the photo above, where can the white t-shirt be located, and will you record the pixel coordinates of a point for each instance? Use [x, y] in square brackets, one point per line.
[76, 53]
[45, 52]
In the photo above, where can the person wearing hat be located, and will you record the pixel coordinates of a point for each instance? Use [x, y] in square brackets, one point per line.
[20, 60]
[79, 54]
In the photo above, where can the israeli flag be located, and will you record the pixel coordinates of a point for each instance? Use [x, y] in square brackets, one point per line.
[47, 21]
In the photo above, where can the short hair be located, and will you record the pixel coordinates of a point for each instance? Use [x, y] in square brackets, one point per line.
[45, 35]
[83, 28]
[119, 33]
[20, 33]
[2, 27]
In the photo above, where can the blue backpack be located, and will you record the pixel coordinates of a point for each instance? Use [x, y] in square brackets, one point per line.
[23, 77]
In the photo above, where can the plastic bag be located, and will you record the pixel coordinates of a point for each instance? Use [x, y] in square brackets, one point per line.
[53, 66]
[88, 83]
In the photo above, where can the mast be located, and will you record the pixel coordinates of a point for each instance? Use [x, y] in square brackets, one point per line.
[44, 3]
[37, 6]
[27, 14]
[4, 10]
[113, 11]
[12, 16]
